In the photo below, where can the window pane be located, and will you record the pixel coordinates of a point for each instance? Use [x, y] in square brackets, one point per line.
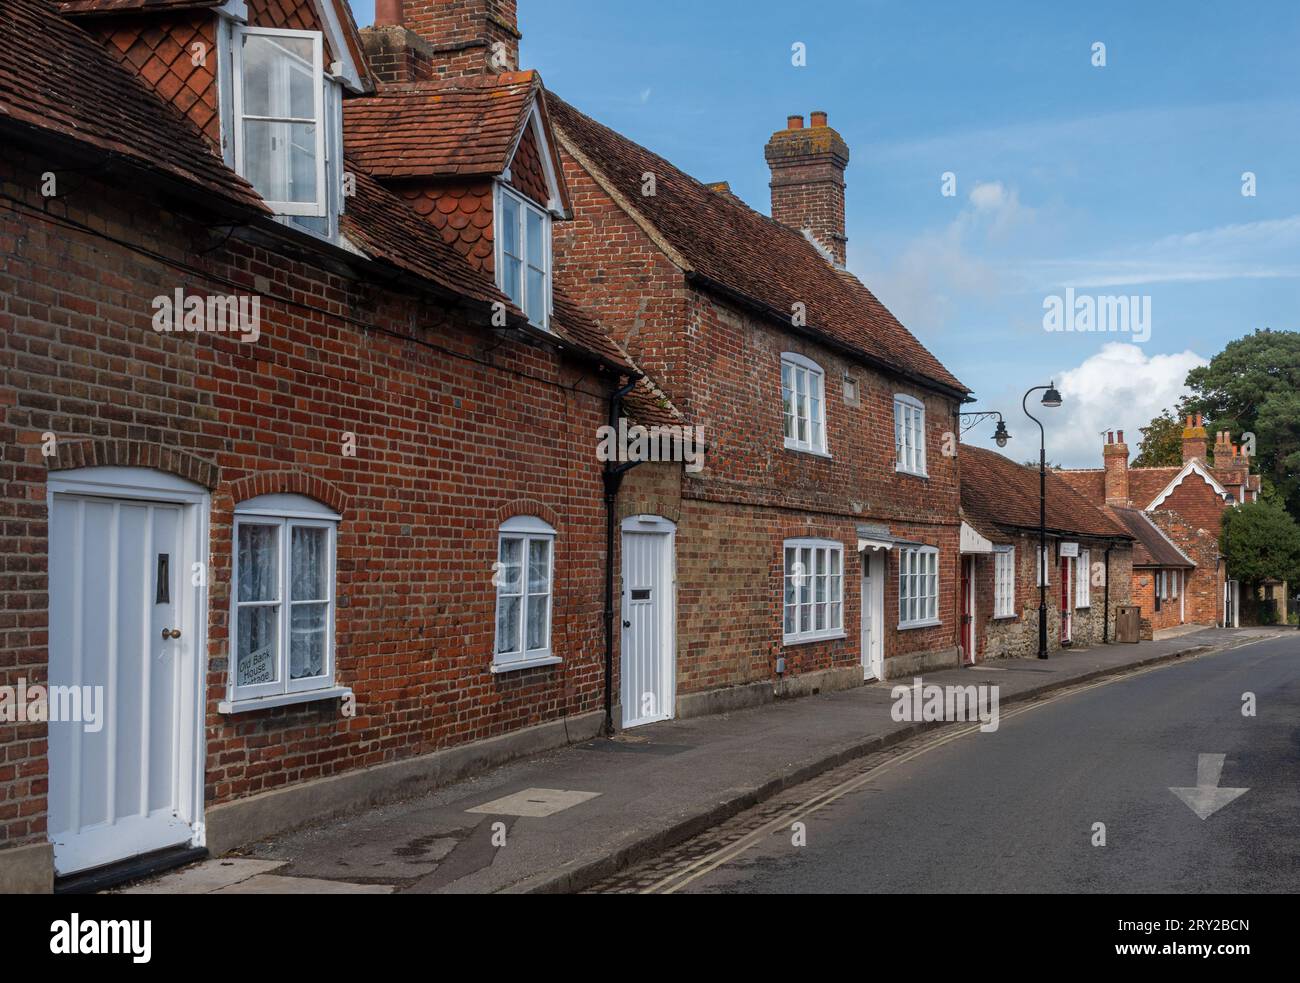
[258, 651]
[536, 240]
[258, 563]
[308, 565]
[278, 76]
[507, 624]
[510, 557]
[307, 640]
[790, 625]
[280, 159]
[510, 226]
[539, 566]
[536, 308]
[537, 609]
[512, 282]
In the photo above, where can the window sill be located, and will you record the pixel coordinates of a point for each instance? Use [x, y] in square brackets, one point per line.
[1006, 617]
[790, 640]
[908, 626]
[283, 700]
[811, 451]
[923, 475]
[544, 660]
[1084, 607]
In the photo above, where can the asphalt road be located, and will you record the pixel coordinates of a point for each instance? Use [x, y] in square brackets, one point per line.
[1014, 810]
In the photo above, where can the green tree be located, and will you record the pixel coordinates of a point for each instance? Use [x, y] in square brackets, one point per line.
[1253, 387]
[1161, 445]
[1261, 542]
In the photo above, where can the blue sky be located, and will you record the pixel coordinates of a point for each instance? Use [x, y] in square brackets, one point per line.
[1117, 180]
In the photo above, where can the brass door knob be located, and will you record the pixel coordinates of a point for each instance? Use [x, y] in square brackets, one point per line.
[172, 633]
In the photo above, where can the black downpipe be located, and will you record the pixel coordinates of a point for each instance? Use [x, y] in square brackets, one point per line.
[613, 479]
[1105, 621]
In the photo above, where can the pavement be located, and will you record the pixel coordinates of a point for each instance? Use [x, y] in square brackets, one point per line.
[1153, 783]
[565, 820]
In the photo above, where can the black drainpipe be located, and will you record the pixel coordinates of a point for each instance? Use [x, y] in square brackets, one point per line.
[613, 478]
[1105, 622]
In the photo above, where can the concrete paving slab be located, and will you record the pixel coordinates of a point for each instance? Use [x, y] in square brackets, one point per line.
[205, 877]
[274, 884]
[535, 802]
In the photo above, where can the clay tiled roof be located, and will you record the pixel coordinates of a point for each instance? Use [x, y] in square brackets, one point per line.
[997, 491]
[1153, 548]
[91, 7]
[1091, 484]
[381, 224]
[733, 249]
[446, 128]
[55, 78]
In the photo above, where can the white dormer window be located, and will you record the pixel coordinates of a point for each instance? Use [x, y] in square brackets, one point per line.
[279, 118]
[523, 254]
[909, 435]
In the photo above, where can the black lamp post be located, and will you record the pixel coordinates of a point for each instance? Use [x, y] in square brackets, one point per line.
[1051, 399]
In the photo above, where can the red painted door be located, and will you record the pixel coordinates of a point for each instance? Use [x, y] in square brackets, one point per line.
[968, 609]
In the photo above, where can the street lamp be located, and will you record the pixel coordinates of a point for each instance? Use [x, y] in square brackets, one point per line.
[1051, 399]
[972, 420]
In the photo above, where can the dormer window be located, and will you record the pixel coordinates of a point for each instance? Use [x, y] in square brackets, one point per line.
[286, 124]
[523, 259]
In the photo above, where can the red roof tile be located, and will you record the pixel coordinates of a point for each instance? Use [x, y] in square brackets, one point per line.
[997, 491]
[444, 128]
[56, 78]
[734, 248]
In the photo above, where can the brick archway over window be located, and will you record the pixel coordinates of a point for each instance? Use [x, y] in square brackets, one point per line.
[526, 506]
[289, 483]
[75, 452]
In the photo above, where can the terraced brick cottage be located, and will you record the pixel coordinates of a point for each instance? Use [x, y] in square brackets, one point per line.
[1089, 563]
[819, 546]
[296, 491]
[1177, 512]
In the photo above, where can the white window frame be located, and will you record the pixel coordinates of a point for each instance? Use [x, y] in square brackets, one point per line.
[526, 529]
[909, 436]
[501, 192]
[284, 513]
[918, 566]
[321, 207]
[794, 367]
[833, 604]
[1004, 583]
[1043, 573]
[1083, 580]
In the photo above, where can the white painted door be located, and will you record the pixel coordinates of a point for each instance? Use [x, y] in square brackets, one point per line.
[648, 687]
[120, 577]
[873, 641]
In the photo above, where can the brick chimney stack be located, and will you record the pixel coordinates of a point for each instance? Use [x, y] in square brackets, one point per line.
[414, 40]
[1196, 441]
[1115, 456]
[808, 165]
[1224, 457]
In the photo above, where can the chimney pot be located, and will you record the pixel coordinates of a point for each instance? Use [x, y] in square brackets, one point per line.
[818, 118]
[1121, 437]
[794, 123]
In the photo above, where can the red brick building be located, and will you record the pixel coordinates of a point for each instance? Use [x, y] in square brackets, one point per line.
[1090, 561]
[825, 420]
[1180, 507]
[296, 494]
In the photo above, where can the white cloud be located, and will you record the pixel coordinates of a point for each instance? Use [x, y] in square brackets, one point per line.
[939, 269]
[1118, 388]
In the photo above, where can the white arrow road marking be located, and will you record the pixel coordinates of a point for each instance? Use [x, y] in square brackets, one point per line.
[1207, 798]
